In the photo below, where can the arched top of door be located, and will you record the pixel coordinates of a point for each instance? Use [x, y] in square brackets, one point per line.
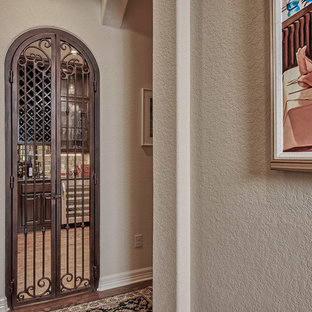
[26, 37]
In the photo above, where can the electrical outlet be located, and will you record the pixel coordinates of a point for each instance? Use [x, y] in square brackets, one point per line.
[138, 240]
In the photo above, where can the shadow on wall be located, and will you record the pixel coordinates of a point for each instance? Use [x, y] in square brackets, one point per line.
[136, 18]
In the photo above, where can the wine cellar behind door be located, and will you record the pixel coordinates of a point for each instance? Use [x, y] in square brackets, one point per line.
[34, 104]
[75, 173]
[53, 231]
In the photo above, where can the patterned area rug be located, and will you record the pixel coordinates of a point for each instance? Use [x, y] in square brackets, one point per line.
[139, 300]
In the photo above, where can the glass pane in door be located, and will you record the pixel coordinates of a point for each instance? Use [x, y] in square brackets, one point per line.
[75, 170]
[34, 96]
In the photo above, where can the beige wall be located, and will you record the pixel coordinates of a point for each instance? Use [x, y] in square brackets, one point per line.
[251, 227]
[164, 92]
[124, 57]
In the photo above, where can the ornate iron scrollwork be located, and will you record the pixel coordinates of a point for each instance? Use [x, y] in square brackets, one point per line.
[43, 288]
[68, 278]
[72, 61]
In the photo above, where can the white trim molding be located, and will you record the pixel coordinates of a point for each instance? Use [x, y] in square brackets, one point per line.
[3, 305]
[125, 278]
[183, 158]
[172, 155]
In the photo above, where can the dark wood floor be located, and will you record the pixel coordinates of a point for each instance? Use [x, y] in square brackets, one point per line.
[80, 298]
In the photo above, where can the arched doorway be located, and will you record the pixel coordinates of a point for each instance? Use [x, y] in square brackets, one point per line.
[52, 161]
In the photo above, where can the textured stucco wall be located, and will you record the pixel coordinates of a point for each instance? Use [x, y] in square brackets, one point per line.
[251, 227]
[124, 57]
[164, 93]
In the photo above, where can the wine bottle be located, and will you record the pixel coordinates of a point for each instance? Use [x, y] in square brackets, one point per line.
[29, 168]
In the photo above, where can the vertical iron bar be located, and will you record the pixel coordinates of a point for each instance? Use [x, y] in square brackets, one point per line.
[54, 85]
[34, 182]
[12, 196]
[43, 177]
[82, 174]
[25, 171]
[67, 176]
[92, 184]
[43, 250]
[75, 180]
[57, 161]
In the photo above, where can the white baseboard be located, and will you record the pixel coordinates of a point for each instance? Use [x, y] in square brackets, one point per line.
[3, 305]
[125, 278]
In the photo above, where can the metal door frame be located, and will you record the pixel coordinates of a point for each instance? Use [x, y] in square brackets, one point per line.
[11, 174]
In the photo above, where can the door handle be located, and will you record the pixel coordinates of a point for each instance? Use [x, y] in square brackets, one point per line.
[56, 196]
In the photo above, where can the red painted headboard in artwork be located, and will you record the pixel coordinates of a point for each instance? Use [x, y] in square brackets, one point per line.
[297, 32]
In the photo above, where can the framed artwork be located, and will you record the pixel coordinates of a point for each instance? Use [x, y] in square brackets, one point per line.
[291, 82]
[147, 118]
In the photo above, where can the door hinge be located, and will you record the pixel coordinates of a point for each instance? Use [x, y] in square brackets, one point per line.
[11, 287]
[11, 182]
[11, 76]
[95, 85]
[95, 179]
[94, 272]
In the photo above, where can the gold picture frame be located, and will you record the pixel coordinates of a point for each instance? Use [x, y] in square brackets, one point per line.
[291, 94]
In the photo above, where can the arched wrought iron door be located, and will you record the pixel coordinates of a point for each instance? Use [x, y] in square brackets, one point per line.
[52, 163]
